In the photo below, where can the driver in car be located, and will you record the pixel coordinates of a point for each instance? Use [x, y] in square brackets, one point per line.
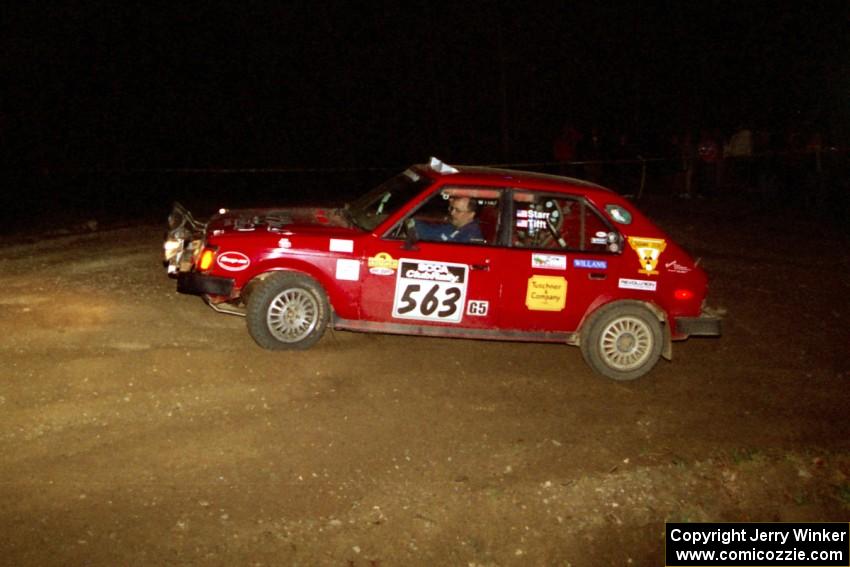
[462, 226]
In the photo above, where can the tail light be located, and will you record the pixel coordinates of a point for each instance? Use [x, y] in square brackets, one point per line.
[683, 294]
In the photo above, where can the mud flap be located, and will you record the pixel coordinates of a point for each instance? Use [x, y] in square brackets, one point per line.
[667, 348]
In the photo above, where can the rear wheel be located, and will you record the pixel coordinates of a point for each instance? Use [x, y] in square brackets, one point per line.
[287, 311]
[622, 341]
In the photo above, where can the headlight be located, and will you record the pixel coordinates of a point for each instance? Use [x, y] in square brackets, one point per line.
[172, 248]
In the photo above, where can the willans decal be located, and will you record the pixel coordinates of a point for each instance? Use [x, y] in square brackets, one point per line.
[590, 264]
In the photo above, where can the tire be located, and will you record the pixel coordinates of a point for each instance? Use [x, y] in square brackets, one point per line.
[287, 311]
[622, 341]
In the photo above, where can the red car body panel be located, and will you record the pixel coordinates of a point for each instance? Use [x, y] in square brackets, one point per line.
[500, 291]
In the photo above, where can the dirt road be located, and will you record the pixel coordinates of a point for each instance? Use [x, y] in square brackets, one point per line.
[138, 427]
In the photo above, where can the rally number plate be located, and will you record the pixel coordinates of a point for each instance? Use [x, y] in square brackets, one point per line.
[430, 291]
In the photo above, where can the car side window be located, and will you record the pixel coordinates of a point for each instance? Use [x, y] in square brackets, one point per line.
[461, 215]
[557, 222]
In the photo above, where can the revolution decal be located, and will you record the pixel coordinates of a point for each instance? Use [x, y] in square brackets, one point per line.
[549, 262]
[590, 264]
[430, 291]
[382, 264]
[648, 250]
[232, 261]
[641, 285]
[546, 293]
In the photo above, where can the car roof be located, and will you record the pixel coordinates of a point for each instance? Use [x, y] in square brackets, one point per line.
[470, 174]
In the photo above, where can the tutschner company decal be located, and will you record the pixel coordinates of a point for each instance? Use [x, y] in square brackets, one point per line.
[232, 261]
[546, 293]
[676, 267]
[590, 264]
[549, 261]
[642, 285]
[382, 264]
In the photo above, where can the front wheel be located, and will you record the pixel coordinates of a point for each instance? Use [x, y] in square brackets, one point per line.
[622, 341]
[287, 311]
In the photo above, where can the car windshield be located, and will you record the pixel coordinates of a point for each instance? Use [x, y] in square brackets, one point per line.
[371, 209]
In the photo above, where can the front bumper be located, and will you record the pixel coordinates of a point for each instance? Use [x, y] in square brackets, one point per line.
[702, 326]
[199, 284]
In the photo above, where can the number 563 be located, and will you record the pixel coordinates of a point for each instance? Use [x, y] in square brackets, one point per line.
[437, 302]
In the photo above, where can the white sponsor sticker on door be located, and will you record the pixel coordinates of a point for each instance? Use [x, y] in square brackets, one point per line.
[549, 261]
[348, 270]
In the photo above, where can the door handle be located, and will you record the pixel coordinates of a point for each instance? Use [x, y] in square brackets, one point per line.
[596, 276]
[482, 267]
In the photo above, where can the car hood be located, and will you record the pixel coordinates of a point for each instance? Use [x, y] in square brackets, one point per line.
[276, 219]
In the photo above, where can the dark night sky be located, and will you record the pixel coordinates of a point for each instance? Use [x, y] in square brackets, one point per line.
[110, 85]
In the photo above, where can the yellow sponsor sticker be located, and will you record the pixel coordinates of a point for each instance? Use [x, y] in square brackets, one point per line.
[546, 293]
[648, 251]
[382, 264]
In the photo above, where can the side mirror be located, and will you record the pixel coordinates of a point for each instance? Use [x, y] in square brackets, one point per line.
[412, 236]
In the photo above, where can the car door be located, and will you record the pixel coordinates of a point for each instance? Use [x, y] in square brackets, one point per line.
[439, 282]
[560, 259]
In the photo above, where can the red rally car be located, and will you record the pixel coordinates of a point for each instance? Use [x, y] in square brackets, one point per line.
[521, 256]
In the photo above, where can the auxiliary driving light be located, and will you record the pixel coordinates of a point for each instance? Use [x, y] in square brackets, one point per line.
[206, 259]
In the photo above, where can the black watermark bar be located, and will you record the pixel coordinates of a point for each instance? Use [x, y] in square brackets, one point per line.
[758, 544]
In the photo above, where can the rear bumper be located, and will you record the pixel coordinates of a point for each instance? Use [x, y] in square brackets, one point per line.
[703, 326]
[199, 284]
